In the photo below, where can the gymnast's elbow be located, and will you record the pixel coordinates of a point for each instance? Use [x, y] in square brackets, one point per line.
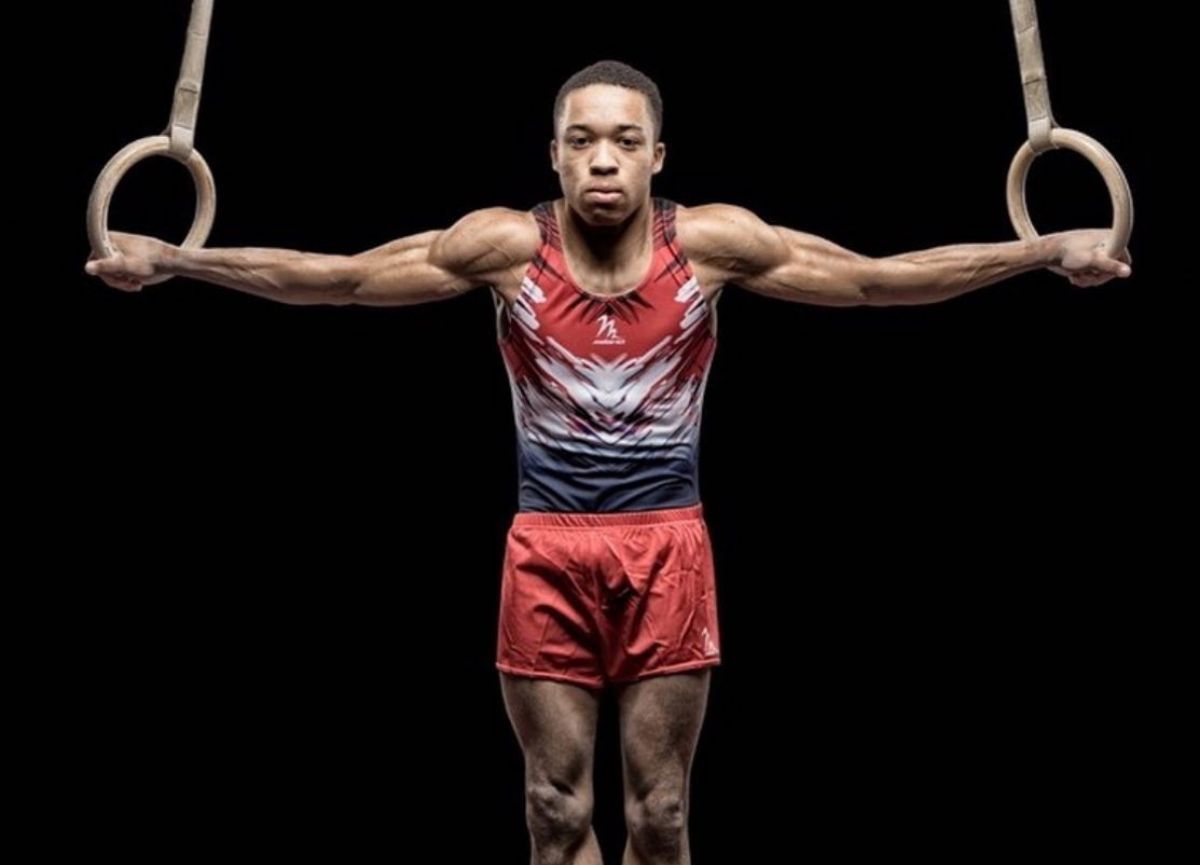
[305, 279]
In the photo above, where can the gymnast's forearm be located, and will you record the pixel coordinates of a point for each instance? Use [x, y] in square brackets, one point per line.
[283, 275]
[932, 275]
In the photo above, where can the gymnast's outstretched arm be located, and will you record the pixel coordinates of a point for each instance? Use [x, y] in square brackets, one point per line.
[432, 265]
[791, 265]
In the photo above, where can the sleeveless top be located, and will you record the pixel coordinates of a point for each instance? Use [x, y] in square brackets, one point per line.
[607, 391]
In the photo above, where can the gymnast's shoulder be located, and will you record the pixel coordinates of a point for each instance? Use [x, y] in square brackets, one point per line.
[722, 234]
[488, 239]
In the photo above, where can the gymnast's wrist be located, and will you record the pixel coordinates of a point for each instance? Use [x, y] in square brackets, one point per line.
[1047, 250]
[171, 259]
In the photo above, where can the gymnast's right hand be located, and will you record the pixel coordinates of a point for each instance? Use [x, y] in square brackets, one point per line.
[136, 260]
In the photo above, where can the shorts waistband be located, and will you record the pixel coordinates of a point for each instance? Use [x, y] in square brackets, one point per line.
[579, 519]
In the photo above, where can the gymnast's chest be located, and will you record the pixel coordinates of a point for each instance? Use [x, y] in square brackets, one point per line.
[629, 326]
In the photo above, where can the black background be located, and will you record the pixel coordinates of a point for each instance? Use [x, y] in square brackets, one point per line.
[934, 526]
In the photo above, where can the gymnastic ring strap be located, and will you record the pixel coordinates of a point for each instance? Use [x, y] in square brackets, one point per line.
[1045, 134]
[186, 104]
[177, 141]
[1033, 74]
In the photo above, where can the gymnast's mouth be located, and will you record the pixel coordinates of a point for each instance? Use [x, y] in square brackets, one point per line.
[602, 193]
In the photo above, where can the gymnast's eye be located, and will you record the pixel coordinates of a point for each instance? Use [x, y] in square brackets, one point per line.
[632, 142]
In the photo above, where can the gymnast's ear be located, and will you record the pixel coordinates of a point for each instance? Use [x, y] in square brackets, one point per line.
[660, 153]
[554, 153]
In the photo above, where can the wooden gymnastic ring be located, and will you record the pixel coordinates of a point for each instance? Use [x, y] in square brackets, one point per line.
[126, 158]
[1114, 178]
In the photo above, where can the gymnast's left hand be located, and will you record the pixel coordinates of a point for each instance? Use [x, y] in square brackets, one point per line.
[1080, 256]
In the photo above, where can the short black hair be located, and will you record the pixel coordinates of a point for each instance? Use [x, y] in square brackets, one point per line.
[620, 74]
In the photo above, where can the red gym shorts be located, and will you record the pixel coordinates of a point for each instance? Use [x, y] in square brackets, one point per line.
[596, 598]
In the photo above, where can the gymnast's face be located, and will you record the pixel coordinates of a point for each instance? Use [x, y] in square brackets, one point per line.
[605, 138]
